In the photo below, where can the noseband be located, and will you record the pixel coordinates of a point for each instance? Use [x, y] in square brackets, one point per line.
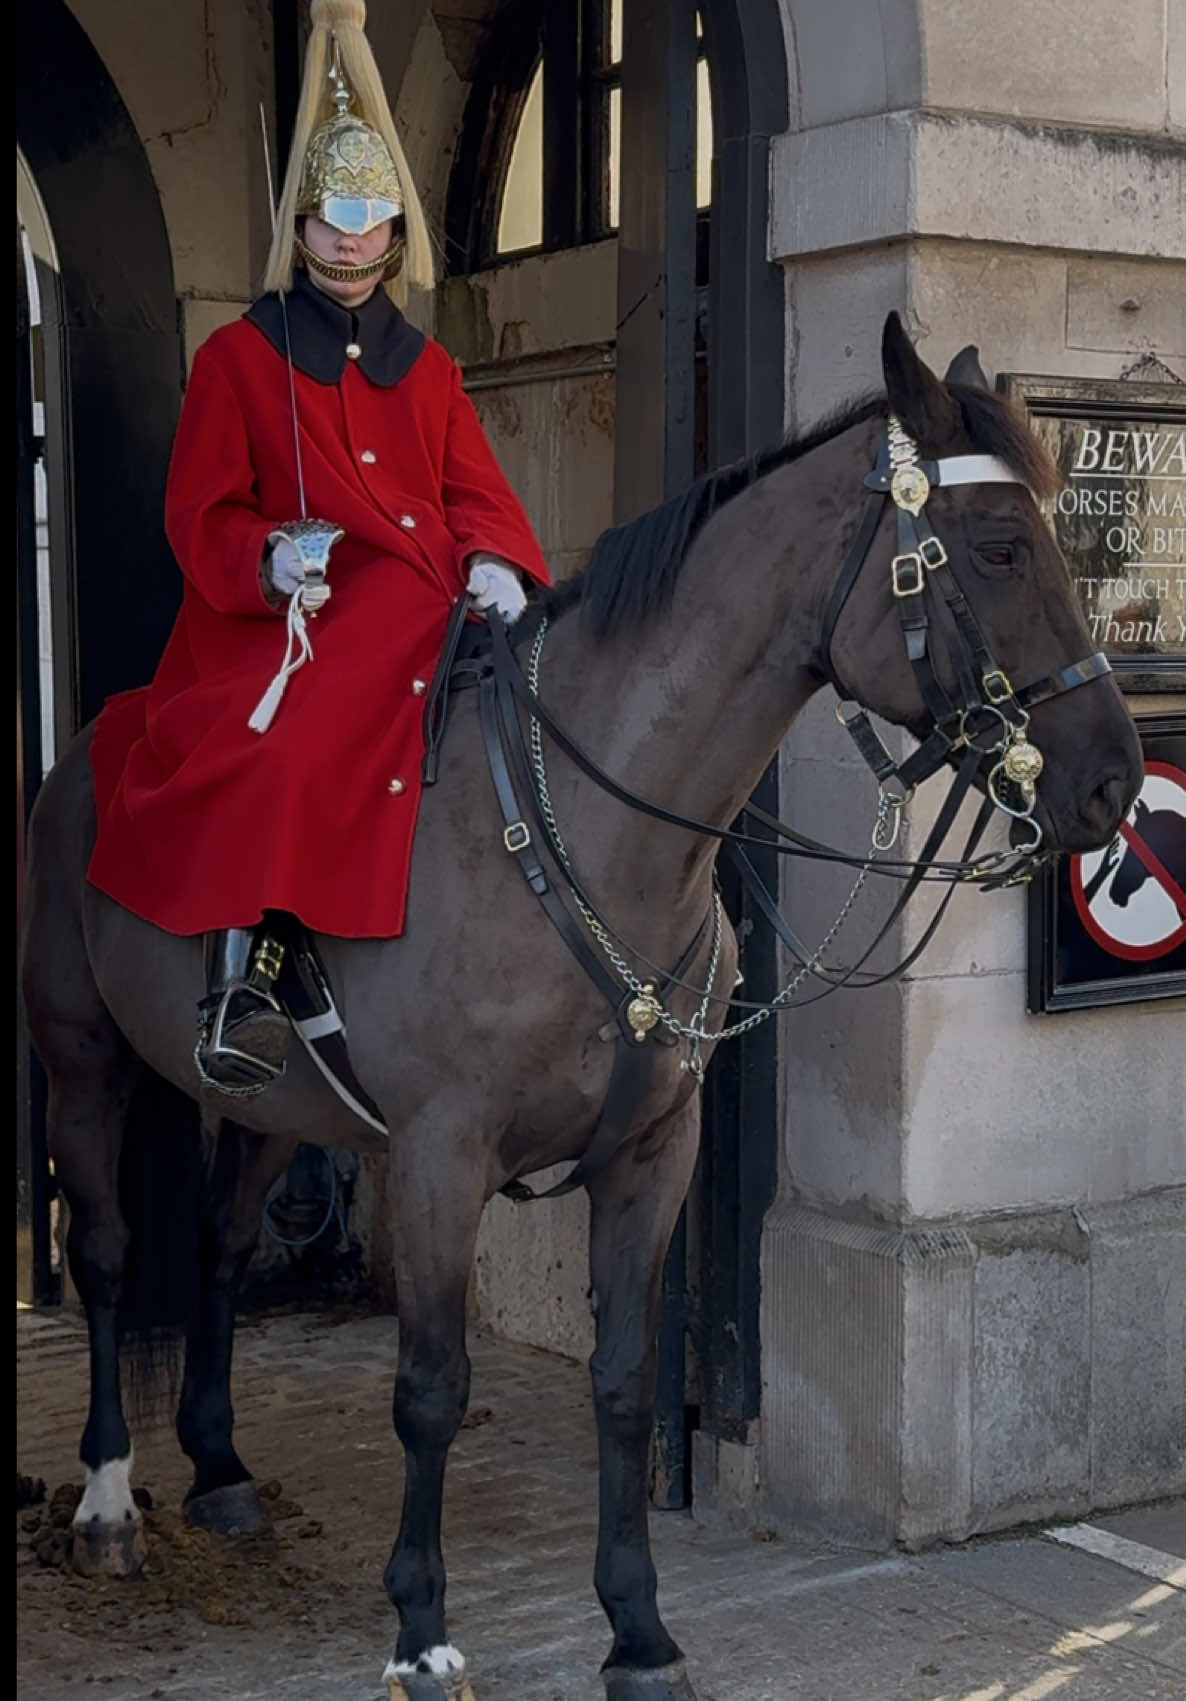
[988, 716]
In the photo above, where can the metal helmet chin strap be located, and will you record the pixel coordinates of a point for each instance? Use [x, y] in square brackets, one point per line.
[987, 717]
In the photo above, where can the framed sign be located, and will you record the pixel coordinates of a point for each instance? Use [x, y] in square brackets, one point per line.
[1120, 520]
[1109, 926]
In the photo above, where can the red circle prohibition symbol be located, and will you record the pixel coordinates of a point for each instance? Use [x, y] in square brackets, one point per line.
[1155, 870]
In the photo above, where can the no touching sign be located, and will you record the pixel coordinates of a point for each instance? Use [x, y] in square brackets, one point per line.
[1131, 896]
[1109, 926]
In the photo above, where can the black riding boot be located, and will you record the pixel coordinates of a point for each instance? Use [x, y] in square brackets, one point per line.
[243, 1032]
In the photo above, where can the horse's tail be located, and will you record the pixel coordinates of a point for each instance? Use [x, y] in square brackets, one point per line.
[161, 1185]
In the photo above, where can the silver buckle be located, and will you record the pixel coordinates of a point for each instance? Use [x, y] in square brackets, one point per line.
[996, 686]
[903, 565]
[516, 837]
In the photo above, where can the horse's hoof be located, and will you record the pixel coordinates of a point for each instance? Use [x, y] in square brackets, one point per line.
[108, 1550]
[235, 1510]
[438, 1675]
[663, 1683]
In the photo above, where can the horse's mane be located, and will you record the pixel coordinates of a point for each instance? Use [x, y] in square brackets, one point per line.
[633, 569]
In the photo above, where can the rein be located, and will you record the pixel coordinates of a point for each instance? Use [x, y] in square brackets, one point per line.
[987, 718]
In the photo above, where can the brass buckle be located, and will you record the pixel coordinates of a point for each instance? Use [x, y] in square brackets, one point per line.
[901, 567]
[932, 552]
[996, 686]
[516, 837]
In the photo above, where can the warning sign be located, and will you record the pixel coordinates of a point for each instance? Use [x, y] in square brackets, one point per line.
[1131, 896]
[1109, 926]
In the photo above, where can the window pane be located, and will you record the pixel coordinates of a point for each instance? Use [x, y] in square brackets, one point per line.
[615, 155]
[615, 31]
[521, 217]
[703, 136]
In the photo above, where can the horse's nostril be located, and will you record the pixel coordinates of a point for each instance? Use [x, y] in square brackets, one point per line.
[1110, 800]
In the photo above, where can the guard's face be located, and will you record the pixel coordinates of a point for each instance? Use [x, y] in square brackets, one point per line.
[341, 248]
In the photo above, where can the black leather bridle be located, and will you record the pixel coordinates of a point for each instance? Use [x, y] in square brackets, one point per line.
[986, 718]
[988, 715]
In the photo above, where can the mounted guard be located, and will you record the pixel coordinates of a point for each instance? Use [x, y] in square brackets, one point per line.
[241, 781]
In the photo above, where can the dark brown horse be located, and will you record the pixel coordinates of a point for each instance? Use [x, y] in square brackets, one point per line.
[690, 646]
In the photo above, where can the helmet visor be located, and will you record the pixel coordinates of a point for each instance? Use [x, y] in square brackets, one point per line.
[356, 215]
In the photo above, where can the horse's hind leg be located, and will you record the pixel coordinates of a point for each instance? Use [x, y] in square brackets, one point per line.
[222, 1496]
[437, 1192]
[91, 1076]
[636, 1202]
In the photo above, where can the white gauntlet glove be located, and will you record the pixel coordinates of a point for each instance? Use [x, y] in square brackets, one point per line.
[493, 584]
[286, 573]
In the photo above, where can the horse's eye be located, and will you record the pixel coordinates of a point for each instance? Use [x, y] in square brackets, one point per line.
[996, 555]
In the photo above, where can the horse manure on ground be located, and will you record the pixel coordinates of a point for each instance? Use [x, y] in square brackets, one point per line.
[30, 1491]
[251, 1579]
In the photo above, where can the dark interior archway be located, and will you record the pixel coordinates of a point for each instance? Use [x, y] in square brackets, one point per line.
[123, 355]
[112, 358]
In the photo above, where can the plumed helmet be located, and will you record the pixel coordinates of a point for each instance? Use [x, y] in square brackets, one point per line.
[346, 165]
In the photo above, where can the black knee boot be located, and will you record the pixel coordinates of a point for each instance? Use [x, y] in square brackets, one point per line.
[243, 1032]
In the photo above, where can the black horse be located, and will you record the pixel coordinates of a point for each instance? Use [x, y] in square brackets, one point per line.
[679, 660]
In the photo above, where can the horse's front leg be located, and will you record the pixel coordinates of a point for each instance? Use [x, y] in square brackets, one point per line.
[636, 1202]
[437, 1199]
[222, 1496]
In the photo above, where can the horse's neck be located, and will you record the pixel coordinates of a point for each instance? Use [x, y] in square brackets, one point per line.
[689, 708]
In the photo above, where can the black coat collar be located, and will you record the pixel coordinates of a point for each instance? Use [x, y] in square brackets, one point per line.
[320, 332]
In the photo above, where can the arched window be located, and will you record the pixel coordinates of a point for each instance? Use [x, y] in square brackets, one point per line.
[538, 165]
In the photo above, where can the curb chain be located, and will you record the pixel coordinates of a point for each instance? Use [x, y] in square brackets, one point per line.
[695, 1032]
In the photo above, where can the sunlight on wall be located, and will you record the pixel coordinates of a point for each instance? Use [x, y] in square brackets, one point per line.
[521, 219]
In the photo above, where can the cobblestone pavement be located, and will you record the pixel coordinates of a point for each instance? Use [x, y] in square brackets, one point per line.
[302, 1616]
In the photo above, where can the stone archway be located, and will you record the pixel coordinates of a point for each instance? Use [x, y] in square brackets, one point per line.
[123, 347]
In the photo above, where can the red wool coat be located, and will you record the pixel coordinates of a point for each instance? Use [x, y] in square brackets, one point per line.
[203, 823]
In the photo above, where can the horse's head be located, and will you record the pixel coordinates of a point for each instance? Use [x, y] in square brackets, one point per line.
[1025, 627]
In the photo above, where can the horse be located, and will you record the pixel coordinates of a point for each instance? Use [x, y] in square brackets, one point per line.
[682, 654]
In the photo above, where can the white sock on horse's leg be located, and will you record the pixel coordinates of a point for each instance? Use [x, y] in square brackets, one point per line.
[406, 1679]
[107, 1498]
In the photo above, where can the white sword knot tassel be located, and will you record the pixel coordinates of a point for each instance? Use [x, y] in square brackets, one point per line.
[308, 543]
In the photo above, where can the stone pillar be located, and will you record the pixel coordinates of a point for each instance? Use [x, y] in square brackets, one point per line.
[974, 1276]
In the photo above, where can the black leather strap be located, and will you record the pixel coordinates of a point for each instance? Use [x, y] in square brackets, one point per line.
[1079, 673]
[436, 704]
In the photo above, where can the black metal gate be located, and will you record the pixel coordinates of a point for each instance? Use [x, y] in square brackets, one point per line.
[35, 1279]
[738, 313]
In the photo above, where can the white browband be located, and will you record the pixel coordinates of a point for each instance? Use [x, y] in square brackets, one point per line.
[975, 469]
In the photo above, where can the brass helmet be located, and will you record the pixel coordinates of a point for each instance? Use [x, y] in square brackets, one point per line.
[347, 167]
[349, 181]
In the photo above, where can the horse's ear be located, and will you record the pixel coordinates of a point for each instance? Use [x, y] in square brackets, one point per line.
[965, 368]
[918, 398]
